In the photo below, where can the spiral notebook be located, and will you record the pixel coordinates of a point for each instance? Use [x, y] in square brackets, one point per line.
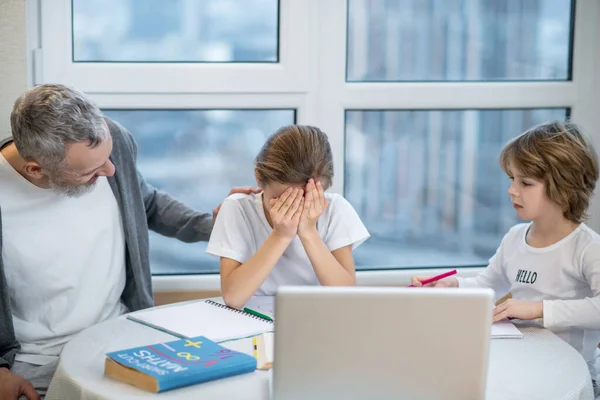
[208, 318]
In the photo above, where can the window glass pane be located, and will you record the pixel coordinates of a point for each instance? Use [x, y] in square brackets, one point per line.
[458, 40]
[197, 156]
[175, 30]
[428, 184]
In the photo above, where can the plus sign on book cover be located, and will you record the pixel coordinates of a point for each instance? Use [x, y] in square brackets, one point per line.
[164, 366]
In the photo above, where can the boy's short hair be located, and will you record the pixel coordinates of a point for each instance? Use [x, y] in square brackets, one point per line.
[558, 154]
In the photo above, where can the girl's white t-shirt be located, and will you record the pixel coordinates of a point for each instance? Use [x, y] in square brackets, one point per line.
[242, 227]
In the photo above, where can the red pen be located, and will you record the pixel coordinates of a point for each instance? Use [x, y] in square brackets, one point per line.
[437, 278]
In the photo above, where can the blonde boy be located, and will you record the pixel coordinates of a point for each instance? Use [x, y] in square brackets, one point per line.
[551, 265]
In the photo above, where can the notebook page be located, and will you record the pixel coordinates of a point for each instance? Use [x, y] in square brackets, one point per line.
[262, 304]
[202, 319]
[505, 329]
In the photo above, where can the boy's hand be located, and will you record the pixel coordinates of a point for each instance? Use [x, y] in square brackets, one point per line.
[285, 212]
[315, 204]
[12, 387]
[518, 309]
[446, 282]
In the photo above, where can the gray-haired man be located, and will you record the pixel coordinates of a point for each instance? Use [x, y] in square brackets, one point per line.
[73, 233]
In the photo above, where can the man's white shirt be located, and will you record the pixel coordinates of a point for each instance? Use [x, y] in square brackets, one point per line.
[64, 261]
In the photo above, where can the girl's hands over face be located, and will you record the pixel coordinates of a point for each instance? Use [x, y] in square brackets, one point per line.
[315, 204]
[286, 211]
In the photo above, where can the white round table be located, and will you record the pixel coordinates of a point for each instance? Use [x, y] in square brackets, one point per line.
[539, 366]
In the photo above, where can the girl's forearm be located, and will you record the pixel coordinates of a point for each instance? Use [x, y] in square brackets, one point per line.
[239, 286]
[328, 269]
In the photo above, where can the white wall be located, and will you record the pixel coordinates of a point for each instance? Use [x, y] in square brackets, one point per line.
[13, 58]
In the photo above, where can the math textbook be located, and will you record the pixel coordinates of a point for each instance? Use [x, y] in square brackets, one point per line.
[165, 366]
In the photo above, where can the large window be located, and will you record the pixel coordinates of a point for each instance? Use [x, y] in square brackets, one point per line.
[175, 30]
[428, 184]
[197, 156]
[456, 40]
[417, 97]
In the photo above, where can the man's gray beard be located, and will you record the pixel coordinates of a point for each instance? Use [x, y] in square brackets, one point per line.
[71, 191]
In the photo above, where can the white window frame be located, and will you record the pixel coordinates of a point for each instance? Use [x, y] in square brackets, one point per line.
[581, 94]
[310, 78]
[287, 75]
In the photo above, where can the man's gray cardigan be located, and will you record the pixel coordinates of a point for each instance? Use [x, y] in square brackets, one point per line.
[142, 207]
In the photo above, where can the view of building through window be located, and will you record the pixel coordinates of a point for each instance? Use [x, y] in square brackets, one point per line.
[427, 183]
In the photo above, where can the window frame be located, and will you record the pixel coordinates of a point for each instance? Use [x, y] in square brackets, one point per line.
[581, 94]
[287, 75]
[310, 77]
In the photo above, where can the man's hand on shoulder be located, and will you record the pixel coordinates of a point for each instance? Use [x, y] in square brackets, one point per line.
[12, 387]
[244, 190]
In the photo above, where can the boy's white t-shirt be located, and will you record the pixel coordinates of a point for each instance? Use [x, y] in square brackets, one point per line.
[242, 227]
[565, 276]
[64, 261]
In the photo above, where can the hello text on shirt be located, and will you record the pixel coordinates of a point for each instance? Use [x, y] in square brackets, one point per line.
[525, 276]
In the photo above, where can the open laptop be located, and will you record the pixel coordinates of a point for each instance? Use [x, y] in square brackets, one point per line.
[381, 343]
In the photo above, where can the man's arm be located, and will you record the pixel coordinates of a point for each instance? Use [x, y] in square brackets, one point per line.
[8, 342]
[8, 350]
[172, 218]
[11, 385]
[164, 214]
